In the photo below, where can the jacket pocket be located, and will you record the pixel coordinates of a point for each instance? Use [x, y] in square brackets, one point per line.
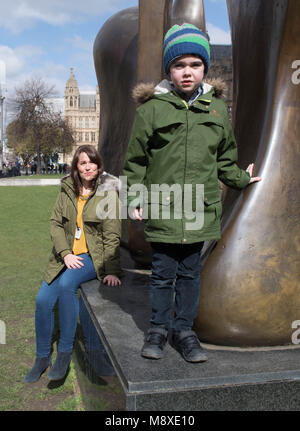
[165, 131]
[66, 213]
[212, 207]
[210, 120]
[93, 227]
[158, 208]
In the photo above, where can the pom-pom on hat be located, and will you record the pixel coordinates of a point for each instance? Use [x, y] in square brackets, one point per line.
[183, 40]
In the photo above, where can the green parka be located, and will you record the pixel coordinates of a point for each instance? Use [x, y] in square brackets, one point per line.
[176, 144]
[102, 235]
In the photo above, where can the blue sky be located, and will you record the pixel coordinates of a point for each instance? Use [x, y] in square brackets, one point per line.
[46, 37]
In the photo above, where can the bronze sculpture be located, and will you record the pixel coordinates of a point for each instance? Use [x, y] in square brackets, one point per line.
[250, 278]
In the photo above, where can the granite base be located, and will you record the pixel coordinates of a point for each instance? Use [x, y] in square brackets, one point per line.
[231, 379]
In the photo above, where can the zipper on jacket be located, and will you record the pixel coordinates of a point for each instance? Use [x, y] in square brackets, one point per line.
[185, 104]
[185, 160]
[184, 171]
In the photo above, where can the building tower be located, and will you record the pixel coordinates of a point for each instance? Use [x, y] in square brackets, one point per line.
[82, 111]
[71, 94]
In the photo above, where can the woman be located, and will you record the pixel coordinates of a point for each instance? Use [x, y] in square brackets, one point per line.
[85, 246]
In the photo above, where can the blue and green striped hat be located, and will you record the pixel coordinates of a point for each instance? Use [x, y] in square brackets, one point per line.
[185, 39]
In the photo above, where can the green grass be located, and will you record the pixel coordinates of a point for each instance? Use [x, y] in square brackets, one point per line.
[25, 248]
[24, 253]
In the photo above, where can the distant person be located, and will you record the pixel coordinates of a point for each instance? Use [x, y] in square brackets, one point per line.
[182, 137]
[85, 246]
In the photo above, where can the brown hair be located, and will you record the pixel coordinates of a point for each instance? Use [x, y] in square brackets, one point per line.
[94, 156]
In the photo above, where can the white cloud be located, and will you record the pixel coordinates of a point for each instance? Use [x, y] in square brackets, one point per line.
[19, 67]
[18, 15]
[13, 62]
[80, 43]
[217, 35]
[16, 59]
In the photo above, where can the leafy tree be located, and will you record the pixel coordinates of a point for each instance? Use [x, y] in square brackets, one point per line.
[37, 130]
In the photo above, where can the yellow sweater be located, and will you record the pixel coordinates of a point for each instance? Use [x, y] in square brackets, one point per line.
[79, 245]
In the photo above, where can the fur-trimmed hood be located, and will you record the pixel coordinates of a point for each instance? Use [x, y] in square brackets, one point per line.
[109, 182]
[106, 182]
[144, 91]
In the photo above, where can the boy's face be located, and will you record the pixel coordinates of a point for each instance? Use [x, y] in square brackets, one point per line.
[186, 73]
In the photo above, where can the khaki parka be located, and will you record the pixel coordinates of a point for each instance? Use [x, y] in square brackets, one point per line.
[102, 234]
[174, 147]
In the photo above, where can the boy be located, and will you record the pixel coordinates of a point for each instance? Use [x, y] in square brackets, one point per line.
[181, 137]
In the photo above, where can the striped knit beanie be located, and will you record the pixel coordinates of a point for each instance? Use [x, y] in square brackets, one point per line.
[185, 39]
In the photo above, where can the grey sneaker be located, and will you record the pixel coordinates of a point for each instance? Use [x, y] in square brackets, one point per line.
[155, 343]
[187, 343]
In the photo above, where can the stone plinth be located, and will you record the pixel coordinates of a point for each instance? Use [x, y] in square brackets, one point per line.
[232, 379]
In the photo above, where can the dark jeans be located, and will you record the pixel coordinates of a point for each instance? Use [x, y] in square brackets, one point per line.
[175, 272]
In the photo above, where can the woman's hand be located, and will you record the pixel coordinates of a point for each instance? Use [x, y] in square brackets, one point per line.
[250, 169]
[72, 261]
[112, 280]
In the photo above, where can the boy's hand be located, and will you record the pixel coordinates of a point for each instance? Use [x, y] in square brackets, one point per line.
[112, 280]
[136, 213]
[250, 169]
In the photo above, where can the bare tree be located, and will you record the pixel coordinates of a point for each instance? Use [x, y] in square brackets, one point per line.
[37, 130]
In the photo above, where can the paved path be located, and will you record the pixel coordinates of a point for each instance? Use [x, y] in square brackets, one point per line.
[29, 182]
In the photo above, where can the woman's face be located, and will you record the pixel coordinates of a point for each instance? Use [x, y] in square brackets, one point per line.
[87, 169]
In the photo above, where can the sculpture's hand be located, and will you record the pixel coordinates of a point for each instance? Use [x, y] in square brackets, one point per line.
[250, 169]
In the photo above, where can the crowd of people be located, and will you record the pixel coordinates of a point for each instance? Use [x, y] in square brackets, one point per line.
[17, 168]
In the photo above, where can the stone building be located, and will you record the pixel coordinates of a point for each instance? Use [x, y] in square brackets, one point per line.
[82, 111]
[221, 67]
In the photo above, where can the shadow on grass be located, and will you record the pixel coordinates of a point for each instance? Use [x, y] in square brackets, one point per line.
[99, 393]
[54, 384]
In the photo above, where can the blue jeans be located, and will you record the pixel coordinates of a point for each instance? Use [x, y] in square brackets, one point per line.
[175, 272]
[63, 290]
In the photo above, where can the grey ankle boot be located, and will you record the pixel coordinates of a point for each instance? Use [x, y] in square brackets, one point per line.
[61, 365]
[40, 365]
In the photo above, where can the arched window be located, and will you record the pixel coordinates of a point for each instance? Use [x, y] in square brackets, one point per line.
[71, 101]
